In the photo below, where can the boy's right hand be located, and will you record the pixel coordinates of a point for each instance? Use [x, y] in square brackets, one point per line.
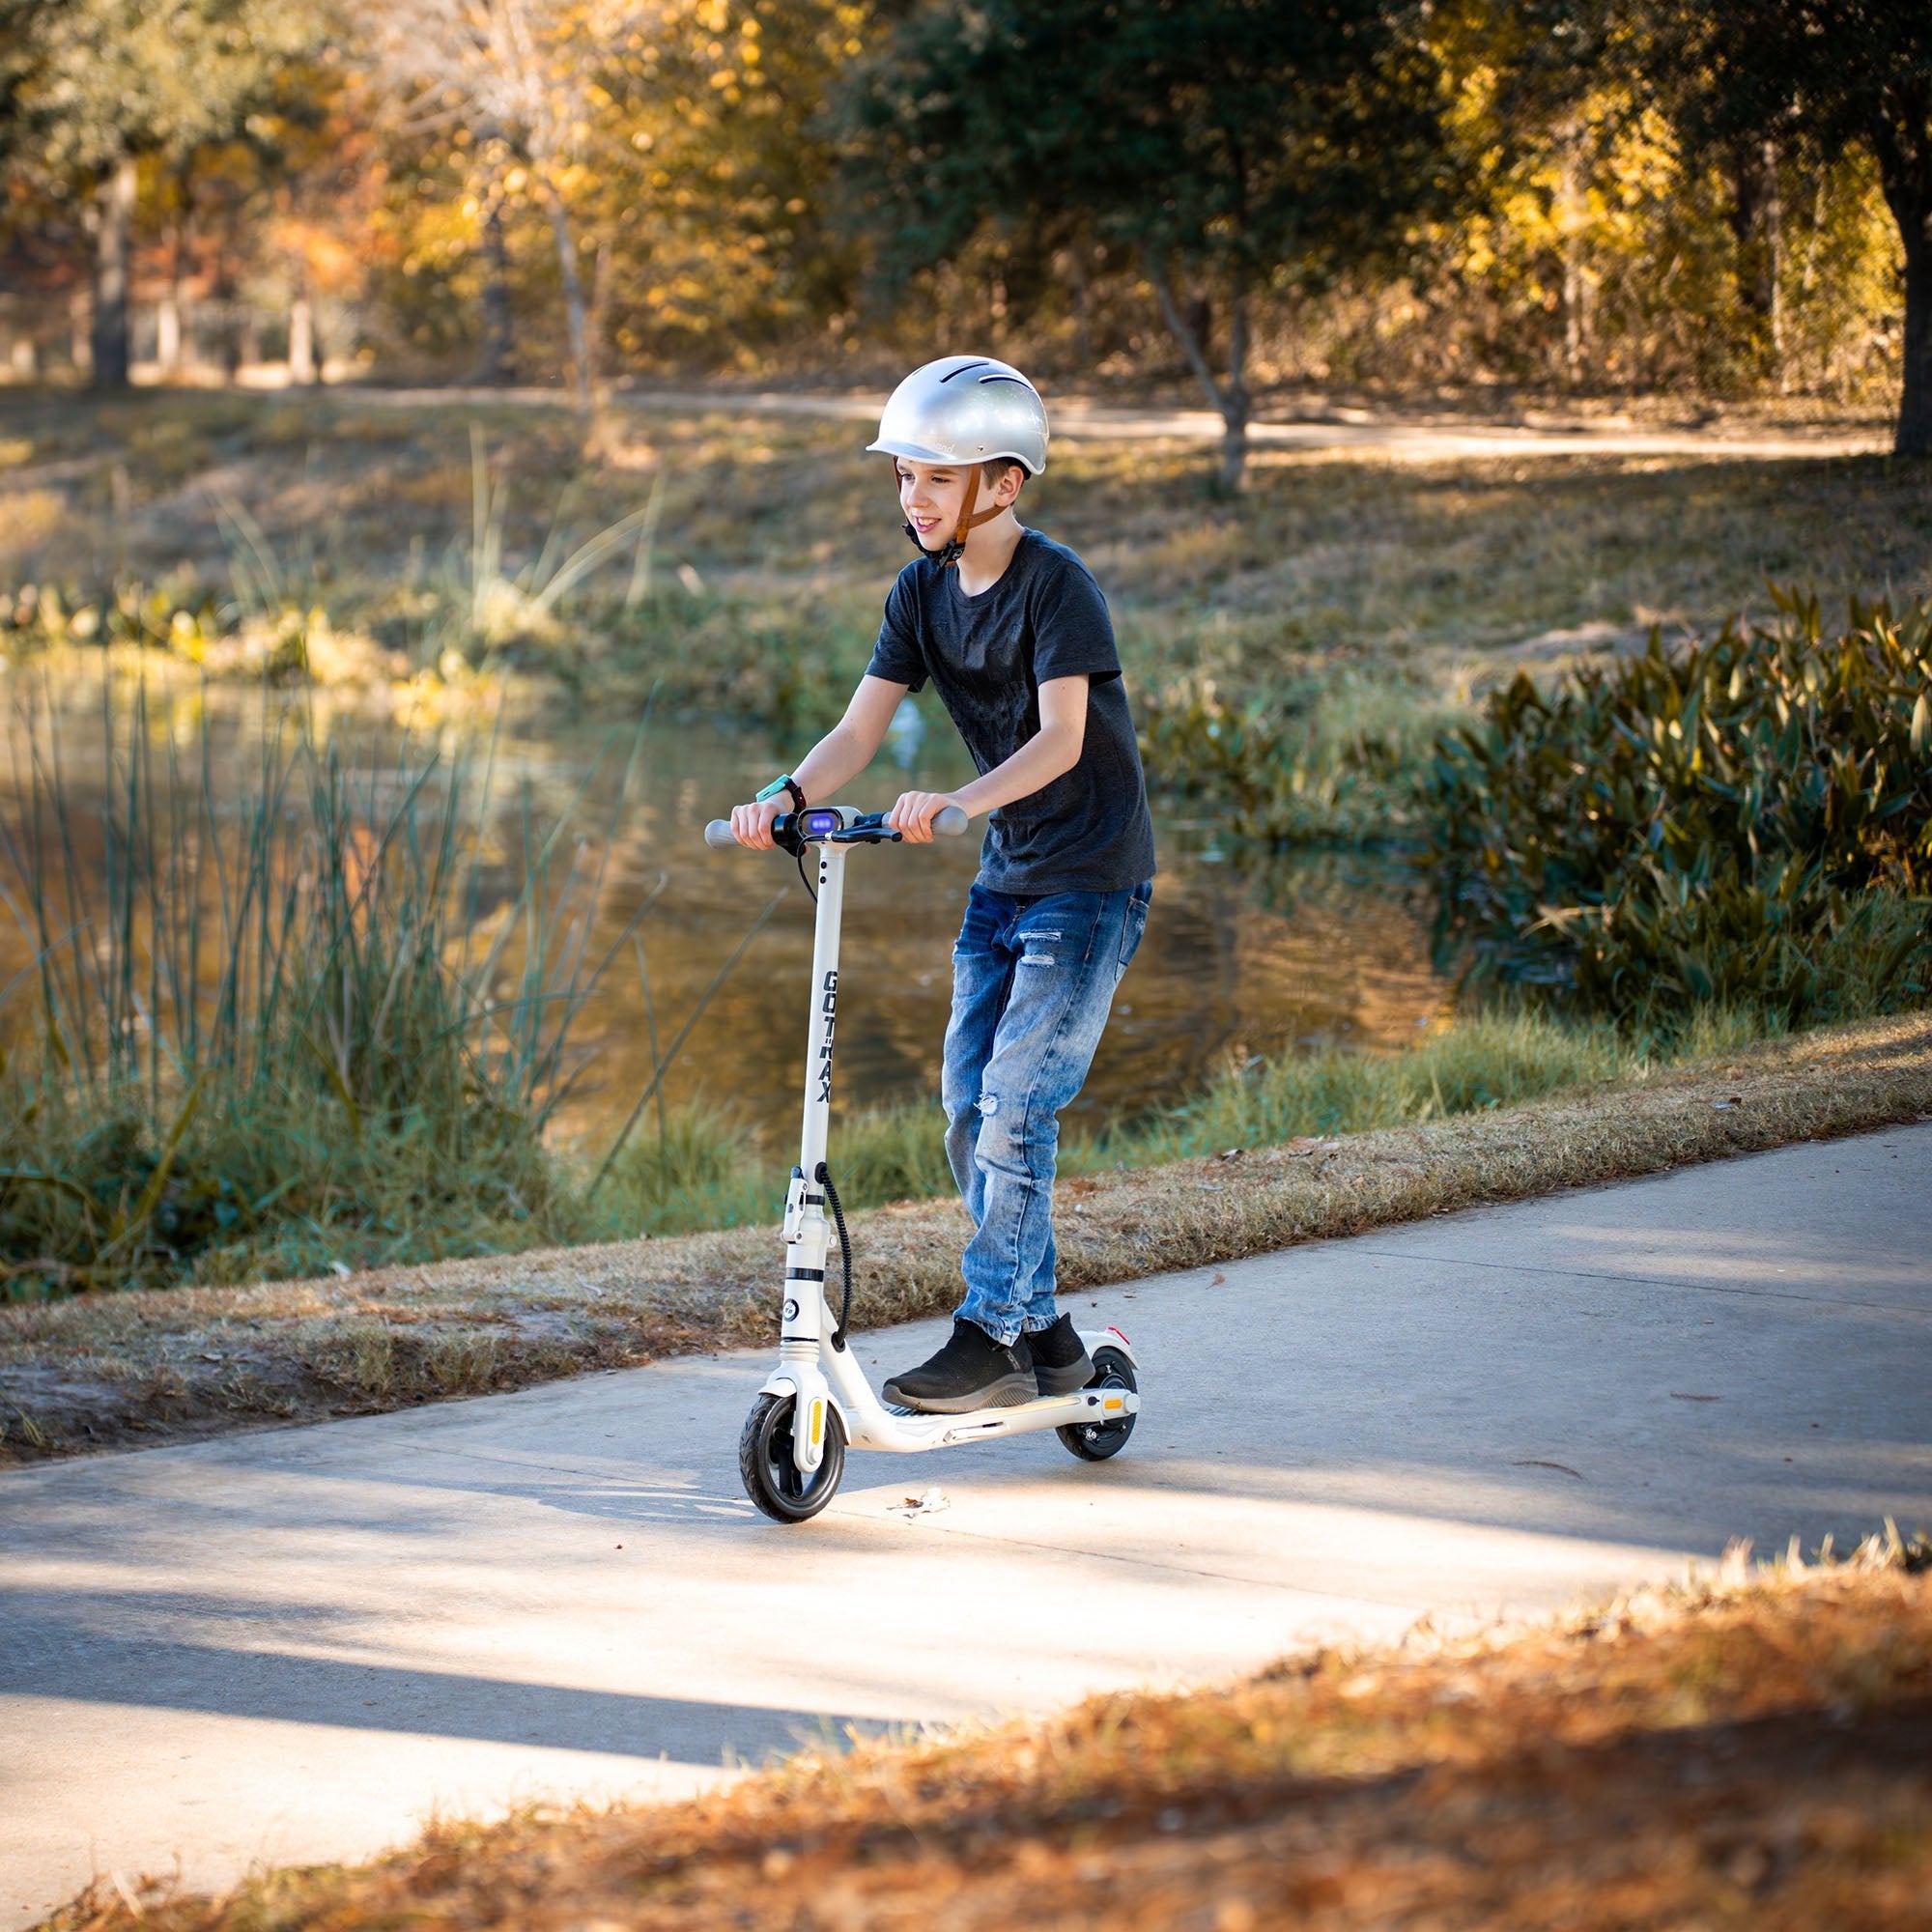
[752, 824]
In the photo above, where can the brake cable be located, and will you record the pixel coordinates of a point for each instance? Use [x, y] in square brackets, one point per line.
[844, 1253]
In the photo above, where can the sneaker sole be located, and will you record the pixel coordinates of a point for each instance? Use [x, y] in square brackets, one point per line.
[1064, 1381]
[1008, 1392]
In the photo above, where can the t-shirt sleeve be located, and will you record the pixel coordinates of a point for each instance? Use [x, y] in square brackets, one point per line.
[1073, 636]
[897, 657]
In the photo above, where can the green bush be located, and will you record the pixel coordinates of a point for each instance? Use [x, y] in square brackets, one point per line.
[1748, 820]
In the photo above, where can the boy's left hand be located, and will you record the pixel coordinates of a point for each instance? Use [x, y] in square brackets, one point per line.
[913, 815]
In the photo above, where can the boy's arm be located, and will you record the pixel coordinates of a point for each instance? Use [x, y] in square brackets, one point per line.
[1053, 750]
[833, 762]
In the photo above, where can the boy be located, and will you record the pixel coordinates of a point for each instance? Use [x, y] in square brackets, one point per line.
[1013, 633]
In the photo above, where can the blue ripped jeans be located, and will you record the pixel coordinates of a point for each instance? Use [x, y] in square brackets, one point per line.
[1033, 983]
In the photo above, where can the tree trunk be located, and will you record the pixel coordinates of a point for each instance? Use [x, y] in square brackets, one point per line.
[573, 289]
[1083, 304]
[168, 333]
[1230, 400]
[1757, 227]
[497, 363]
[80, 329]
[301, 338]
[1905, 168]
[1235, 408]
[1573, 218]
[168, 316]
[1914, 403]
[113, 217]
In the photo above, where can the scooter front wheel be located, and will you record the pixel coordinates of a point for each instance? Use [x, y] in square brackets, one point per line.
[1095, 1442]
[773, 1479]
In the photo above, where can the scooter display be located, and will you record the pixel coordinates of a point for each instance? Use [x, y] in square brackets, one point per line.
[816, 1401]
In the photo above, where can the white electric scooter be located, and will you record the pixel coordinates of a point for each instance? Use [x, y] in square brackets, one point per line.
[816, 1401]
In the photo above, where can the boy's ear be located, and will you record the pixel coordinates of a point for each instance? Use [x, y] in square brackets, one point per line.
[1007, 491]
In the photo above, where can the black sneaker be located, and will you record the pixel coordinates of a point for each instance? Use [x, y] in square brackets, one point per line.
[973, 1370]
[1059, 1359]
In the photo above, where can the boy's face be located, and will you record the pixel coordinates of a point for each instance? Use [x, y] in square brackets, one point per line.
[932, 497]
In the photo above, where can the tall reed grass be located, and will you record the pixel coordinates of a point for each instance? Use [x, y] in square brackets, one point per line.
[283, 1011]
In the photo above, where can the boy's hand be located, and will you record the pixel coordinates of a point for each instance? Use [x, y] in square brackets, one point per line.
[913, 815]
[752, 824]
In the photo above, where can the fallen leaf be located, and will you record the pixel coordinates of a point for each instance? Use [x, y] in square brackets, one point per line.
[1537, 1463]
[927, 1502]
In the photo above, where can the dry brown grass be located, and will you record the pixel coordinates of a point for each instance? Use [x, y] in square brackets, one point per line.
[1358, 555]
[129, 1370]
[1756, 1751]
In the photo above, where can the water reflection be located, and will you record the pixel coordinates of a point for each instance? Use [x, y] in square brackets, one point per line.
[1334, 950]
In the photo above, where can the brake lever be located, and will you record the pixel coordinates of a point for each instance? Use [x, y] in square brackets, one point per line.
[871, 830]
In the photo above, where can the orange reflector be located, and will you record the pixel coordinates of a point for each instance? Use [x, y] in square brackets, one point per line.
[818, 1423]
[1113, 1401]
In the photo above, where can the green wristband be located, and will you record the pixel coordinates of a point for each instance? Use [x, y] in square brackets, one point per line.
[785, 781]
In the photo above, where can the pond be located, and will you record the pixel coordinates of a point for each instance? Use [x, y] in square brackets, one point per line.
[1320, 948]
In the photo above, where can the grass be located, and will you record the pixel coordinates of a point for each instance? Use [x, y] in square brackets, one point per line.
[714, 1171]
[1743, 1749]
[1396, 582]
[119, 1370]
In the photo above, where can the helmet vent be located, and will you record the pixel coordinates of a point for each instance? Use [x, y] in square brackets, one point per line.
[966, 370]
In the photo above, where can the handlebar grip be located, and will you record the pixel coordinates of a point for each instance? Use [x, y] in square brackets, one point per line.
[951, 822]
[718, 835]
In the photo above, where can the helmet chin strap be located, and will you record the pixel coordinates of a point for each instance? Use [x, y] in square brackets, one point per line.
[951, 554]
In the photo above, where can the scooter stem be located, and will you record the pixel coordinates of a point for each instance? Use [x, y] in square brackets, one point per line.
[805, 1225]
[824, 1009]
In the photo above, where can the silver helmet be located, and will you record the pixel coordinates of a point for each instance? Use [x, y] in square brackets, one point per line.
[965, 409]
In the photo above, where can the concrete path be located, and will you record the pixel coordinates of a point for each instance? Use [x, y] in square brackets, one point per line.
[294, 1645]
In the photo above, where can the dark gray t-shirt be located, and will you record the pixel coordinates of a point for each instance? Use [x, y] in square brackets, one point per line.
[987, 656]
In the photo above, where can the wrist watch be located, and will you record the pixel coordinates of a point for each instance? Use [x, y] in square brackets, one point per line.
[785, 781]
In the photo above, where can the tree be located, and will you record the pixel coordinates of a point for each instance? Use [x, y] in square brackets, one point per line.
[523, 78]
[1244, 143]
[100, 86]
[1837, 73]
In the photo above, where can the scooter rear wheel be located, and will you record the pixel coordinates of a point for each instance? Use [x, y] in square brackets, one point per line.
[1095, 1442]
[773, 1480]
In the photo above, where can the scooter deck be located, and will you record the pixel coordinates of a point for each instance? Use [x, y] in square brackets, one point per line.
[913, 1428]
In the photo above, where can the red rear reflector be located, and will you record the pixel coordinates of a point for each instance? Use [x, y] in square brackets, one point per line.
[1121, 1332]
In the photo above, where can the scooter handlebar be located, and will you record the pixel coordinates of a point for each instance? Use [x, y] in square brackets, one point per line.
[949, 823]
